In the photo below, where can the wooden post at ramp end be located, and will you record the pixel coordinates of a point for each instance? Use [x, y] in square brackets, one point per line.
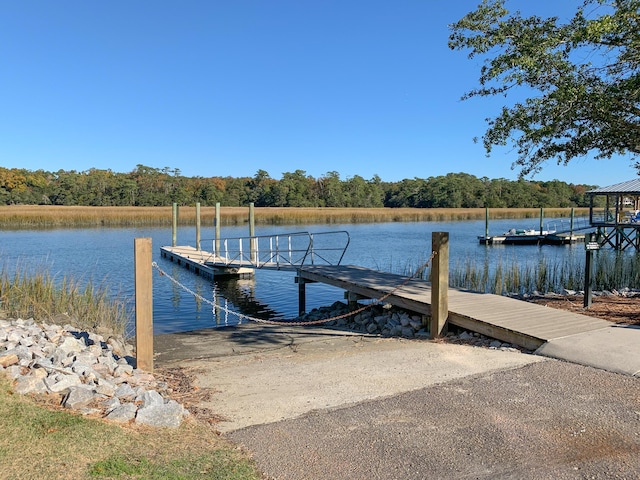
[144, 304]
[439, 283]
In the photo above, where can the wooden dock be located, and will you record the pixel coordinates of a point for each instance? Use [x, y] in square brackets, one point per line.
[562, 238]
[509, 320]
[203, 263]
[506, 319]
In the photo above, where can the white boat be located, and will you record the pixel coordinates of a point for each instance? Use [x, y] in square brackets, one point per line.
[518, 236]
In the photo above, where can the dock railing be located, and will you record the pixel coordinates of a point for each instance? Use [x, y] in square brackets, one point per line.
[282, 251]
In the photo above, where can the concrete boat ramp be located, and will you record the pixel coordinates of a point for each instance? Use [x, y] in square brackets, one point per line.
[311, 403]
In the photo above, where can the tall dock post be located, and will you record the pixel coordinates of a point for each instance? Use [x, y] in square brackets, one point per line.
[198, 226]
[541, 220]
[174, 225]
[252, 233]
[571, 227]
[486, 222]
[439, 283]
[144, 304]
[216, 223]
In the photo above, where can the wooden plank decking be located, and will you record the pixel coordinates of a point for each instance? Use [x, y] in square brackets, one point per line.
[202, 262]
[507, 319]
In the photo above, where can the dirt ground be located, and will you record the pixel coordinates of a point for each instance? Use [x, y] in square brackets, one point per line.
[614, 308]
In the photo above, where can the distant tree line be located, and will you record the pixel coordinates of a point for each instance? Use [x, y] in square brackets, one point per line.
[148, 186]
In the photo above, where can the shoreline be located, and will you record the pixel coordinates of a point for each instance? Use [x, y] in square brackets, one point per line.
[47, 216]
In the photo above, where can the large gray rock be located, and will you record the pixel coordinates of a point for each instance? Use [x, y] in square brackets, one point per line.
[169, 414]
[122, 413]
[62, 382]
[78, 398]
[30, 385]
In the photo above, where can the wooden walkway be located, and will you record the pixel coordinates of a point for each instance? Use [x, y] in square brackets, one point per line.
[506, 319]
[509, 320]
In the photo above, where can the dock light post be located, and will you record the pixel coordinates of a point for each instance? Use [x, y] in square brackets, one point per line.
[590, 245]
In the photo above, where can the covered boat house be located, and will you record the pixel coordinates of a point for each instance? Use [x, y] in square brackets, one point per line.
[615, 213]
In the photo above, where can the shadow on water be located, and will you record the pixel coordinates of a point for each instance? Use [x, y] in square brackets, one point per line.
[241, 293]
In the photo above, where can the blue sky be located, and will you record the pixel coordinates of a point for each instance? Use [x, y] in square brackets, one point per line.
[226, 88]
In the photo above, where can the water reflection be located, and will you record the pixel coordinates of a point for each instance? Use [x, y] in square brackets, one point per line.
[241, 293]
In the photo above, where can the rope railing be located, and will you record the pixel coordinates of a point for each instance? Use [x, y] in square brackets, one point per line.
[294, 322]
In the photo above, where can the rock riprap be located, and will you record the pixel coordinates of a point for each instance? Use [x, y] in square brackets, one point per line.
[91, 374]
[389, 321]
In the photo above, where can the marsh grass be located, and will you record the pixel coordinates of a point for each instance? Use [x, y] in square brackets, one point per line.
[40, 297]
[39, 442]
[47, 216]
[611, 271]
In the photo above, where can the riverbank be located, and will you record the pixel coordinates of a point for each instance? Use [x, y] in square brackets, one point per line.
[47, 216]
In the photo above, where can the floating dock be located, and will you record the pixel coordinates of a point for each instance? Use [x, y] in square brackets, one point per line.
[204, 263]
[561, 238]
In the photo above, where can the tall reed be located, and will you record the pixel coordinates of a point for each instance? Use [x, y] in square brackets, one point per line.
[611, 271]
[40, 297]
[47, 216]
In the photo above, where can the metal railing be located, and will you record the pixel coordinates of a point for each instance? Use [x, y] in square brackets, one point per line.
[565, 225]
[283, 251]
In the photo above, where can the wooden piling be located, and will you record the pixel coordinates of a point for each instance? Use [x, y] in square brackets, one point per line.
[439, 283]
[252, 233]
[174, 225]
[571, 227]
[302, 295]
[216, 223]
[486, 222]
[198, 226]
[143, 304]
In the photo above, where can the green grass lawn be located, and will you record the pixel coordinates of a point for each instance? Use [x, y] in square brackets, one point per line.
[40, 442]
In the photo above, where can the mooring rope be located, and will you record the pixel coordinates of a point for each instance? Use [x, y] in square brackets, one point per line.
[293, 322]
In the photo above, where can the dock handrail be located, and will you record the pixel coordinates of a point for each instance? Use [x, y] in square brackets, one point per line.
[281, 251]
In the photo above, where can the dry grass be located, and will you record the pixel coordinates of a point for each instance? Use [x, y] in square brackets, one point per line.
[39, 297]
[45, 216]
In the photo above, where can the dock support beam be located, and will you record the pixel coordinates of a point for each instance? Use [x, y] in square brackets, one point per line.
[439, 283]
[144, 304]
[302, 295]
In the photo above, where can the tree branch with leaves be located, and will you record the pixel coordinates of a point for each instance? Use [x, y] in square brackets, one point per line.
[583, 78]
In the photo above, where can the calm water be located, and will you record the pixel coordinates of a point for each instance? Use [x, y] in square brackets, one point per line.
[105, 257]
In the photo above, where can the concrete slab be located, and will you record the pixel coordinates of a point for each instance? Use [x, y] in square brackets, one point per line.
[260, 376]
[615, 348]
